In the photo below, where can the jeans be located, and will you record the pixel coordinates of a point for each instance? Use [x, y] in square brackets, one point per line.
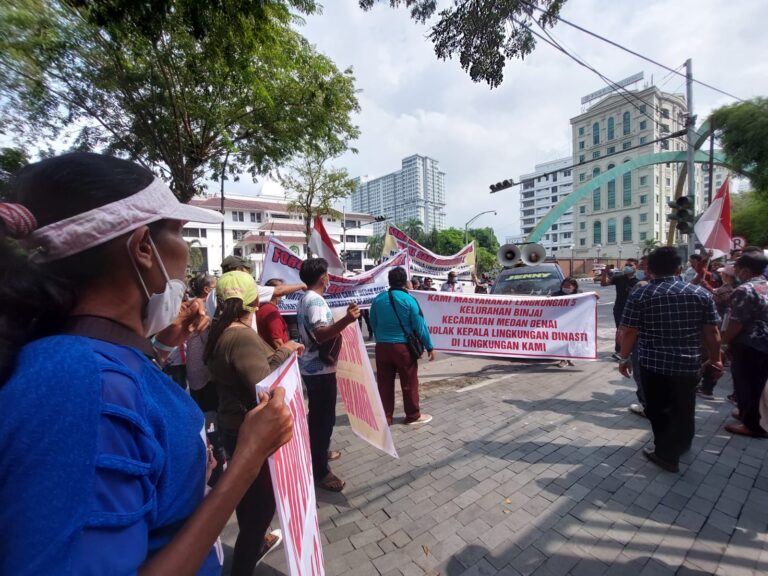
[749, 368]
[670, 407]
[638, 378]
[254, 513]
[394, 359]
[321, 418]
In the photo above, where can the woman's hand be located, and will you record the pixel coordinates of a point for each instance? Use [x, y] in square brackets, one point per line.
[264, 430]
[431, 355]
[292, 346]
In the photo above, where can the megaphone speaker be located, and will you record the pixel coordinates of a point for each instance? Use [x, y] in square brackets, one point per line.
[533, 254]
[508, 255]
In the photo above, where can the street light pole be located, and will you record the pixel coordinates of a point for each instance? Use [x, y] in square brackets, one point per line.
[572, 246]
[475, 217]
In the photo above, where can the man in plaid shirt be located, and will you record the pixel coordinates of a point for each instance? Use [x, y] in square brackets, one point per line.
[668, 319]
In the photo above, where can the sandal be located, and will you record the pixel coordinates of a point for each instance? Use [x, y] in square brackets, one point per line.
[333, 455]
[332, 483]
[271, 541]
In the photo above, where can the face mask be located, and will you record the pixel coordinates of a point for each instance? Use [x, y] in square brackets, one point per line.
[628, 270]
[162, 308]
[567, 290]
[640, 275]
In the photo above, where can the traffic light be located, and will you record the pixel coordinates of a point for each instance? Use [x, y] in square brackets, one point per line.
[503, 185]
[682, 213]
[380, 218]
[343, 255]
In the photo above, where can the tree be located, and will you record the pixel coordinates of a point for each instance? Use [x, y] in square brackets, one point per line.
[485, 238]
[449, 241]
[375, 246]
[749, 213]
[314, 187]
[11, 159]
[743, 132]
[483, 33]
[485, 261]
[413, 228]
[430, 239]
[649, 245]
[175, 85]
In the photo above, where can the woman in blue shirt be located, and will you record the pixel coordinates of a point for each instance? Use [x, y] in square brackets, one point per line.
[103, 457]
[394, 314]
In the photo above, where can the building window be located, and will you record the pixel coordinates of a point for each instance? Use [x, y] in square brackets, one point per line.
[627, 188]
[665, 112]
[643, 139]
[581, 145]
[238, 235]
[581, 158]
[566, 173]
[643, 235]
[611, 194]
[664, 128]
[611, 134]
[595, 134]
[582, 242]
[582, 177]
[611, 150]
[595, 172]
[643, 124]
[664, 144]
[596, 200]
[194, 232]
[625, 124]
[627, 145]
[626, 229]
[581, 130]
[668, 181]
[582, 225]
[253, 216]
[597, 232]
[643, 198]
[644, 218]
[643, 180]
[611, 235]
[642, 108]
[595, 154]
[582, 209]
[238, 216]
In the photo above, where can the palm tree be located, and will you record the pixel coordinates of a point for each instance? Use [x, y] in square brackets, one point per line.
[649, 245]
[414, 229]
[196, 260]
[375, 246]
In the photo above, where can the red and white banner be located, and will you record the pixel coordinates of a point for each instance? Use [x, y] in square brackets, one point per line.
[292, 481]
[281, 262]
[424, 262]
[526, 327]
[357, 387]
[713, 229]
[321, 245]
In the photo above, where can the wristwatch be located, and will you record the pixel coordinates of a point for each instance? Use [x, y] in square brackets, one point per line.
[626, 360]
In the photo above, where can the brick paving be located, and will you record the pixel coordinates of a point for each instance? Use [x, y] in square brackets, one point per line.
[540, 472]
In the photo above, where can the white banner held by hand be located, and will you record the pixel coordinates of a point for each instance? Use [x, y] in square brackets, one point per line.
[292, 481]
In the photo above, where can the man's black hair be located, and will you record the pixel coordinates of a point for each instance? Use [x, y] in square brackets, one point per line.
[632, 260]
[272, 282]
[398, 277]
[696, 257]
[664, 261]
[753, 261]
[312, 270]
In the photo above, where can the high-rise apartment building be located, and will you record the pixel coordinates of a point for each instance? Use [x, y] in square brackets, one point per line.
[548, 184]
[616, 218]
[416, 191]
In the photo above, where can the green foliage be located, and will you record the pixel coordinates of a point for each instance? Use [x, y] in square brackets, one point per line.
[314, 187]
[485, 238]
[413, 228]
[11, 159]
[749, 214]
[486, 261]
[375, 246]
[743, 132]
[176, 84]
[484, 34]
[449, 241]
[649, 245]
[430, 240]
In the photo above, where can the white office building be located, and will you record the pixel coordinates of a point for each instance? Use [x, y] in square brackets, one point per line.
[540, 190]
[616, 219]
[416, 191]
[250, 221]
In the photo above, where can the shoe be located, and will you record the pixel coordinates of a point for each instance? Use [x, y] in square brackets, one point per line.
[731, 398]
[423, 419]
[704, 394]
[663, 464]
[637, 409]
[333, 455]
[570, 363]
[332, 483]
[271, 541]
[616, 356]
[742, 430]
[562, 364]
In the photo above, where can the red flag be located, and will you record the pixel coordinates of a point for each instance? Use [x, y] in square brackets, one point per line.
[321, 246]
[714, 226]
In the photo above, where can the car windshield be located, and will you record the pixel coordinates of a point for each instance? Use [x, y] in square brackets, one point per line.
[532, 283]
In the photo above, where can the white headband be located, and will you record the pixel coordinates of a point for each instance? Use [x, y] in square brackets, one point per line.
[83, 231]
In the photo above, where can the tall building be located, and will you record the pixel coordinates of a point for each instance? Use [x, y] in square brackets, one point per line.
[549, 183]
[415, 191]
[719, 174]
[617, 218]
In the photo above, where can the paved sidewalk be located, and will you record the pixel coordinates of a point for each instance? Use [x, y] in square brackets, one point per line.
[531, 469]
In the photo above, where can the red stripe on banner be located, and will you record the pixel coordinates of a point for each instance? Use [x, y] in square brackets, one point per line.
[324, 234]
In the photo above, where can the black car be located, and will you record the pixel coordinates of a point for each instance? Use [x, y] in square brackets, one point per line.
[537, 280]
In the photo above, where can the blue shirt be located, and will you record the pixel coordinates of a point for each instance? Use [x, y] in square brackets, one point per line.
[670, 315]
[102, 457]
[386, 328]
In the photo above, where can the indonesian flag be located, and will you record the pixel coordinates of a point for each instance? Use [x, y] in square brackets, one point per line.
[321, 246]
[714, 227]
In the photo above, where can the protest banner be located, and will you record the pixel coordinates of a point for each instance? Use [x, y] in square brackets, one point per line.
[292, 481]
[527, 327]
[425, 262]
[281, 262]
[359, 391]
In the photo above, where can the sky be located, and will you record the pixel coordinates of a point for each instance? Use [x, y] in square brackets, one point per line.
[412, 103]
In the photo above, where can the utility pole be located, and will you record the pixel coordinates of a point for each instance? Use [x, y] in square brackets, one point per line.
[711, 164]
[690, 121]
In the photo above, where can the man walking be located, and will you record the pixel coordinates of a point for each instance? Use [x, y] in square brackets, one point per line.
[450, 285]
[668, 319]
[321, 338]
[624, 281]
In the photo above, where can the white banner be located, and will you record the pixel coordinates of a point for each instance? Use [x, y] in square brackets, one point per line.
[292, 480]
[424, 262]
[281, 262]
[357, 387]
[527, 327]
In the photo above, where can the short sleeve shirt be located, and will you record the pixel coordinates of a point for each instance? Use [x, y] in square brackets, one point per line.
[624, 285]
[749, 307]
[313, 313]
[271, 325]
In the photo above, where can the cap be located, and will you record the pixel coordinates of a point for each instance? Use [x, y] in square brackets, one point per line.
[94, 227]
[238, 284]
[728, 269]
[233, 263]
